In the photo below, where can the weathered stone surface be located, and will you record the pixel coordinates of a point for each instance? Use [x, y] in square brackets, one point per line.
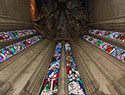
[108, 15]
[63, 81]
[15, 15]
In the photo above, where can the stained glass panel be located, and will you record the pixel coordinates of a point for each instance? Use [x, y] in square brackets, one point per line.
[13, 49]
[50, 84]
[15, 34]
[110, 49]
[75, 85]
[109, 34]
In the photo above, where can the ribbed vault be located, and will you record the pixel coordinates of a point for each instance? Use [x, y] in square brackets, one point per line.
[62, 18]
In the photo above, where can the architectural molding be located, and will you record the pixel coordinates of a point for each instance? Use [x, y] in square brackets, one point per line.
[13, 18]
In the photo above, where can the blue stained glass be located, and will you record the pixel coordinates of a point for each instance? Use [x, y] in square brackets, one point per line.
[6, 53]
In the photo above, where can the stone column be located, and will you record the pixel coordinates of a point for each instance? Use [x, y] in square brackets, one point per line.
[105, 66]
[15, 66]
[63, 81]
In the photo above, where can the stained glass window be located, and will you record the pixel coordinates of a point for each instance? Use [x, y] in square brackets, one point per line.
[13, 49]
[110, 49]
[50, 84]
[15, 34]
[109, 34]
[75, 85]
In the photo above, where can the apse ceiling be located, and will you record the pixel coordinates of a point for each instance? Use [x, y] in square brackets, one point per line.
[62, 18]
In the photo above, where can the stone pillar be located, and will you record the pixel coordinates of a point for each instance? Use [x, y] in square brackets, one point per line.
[94, 58]
[63, 81]
[15, 66]
[35, 83]
[89, 82]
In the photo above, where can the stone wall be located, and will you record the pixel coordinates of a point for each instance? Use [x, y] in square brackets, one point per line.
[15, 14]
[108, 14]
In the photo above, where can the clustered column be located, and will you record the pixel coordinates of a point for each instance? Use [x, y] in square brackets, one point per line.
[56, 81]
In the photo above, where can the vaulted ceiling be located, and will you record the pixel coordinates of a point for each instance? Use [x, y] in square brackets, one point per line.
[62, 18]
